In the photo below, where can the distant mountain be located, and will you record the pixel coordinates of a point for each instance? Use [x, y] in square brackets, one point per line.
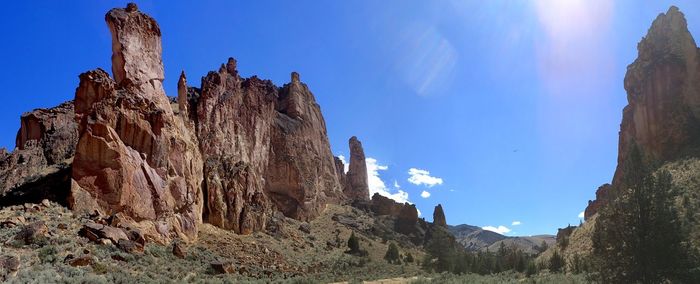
[475, 238]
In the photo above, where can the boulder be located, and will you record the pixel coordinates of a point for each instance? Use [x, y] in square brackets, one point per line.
[84, 260]
[223, 267]
[32, 233]
[94, 232]
[179, 250]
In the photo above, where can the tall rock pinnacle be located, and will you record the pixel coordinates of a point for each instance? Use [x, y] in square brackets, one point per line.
[662, 117]
[134, 159]
[357, 187]
[439, 216]
[136, 46]
[663, 91]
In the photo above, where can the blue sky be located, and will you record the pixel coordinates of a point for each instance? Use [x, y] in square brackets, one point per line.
[513, 106]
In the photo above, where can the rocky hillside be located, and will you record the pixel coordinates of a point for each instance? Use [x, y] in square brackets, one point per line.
[229, 152]
[474, 238]
[662, 117]
[661, 123]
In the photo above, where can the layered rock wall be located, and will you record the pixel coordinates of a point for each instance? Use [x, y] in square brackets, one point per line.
[229, 153]
[39, 167]
[662, 118]
[134, 159]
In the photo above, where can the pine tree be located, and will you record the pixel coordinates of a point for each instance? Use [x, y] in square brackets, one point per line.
[392, 254]
[638, 237]
[556, 262]
[442, 248]
[353, 244]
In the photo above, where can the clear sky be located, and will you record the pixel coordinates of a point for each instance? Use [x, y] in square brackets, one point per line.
[513, 107]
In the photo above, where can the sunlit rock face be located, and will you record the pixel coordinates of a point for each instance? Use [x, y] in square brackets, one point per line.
[356, 183]
[234, 118]
[39, 166]
[134, 158]
[662, 117]
[230, 152]
[301, 175]
[264, 148]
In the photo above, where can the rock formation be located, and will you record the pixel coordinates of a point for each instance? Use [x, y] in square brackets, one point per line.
[230, 153]
[301, 175]
[39, 168]
[234, 120]
[406, 214]
[266, 147]
[662, 118]
[134, 158]
[601, 197]
[439, 216]
[356, 187]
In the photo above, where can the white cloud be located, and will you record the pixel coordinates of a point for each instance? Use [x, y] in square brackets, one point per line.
[500, 229]
[346, 165]
[396, 184]
[425, 194]
[516, 223]
[418, 212]
[376, 185]
[581, 215]
[422, 177]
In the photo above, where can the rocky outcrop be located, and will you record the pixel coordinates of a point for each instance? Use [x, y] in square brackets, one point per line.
[356, 187]
[601, 197]
[266, 148]
[662, 118]
[439, 216]
[340, 171]
[406, 214]
[234, 118]
[39, 167]
[230, 153]
[301, 175]
[382, 205]
[134, 158]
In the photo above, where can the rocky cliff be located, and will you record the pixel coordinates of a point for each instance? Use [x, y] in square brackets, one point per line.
[230, 152]
[39, 168]
[662, 118]
[134, 157]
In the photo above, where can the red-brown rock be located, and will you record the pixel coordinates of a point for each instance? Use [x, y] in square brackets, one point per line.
[301, 174]
[662, 118]
[234, 121]
[134, 156]
[39, 167]
[439, 216]
[356, 187]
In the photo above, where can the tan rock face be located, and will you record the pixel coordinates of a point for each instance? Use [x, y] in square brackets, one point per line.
[301, 174]
[266, 147]
[134, 157]
[234, 124]
[136, 46]
[39, 168]
[229, 153]
[356, 187]
[601, 197]
[662, 117]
